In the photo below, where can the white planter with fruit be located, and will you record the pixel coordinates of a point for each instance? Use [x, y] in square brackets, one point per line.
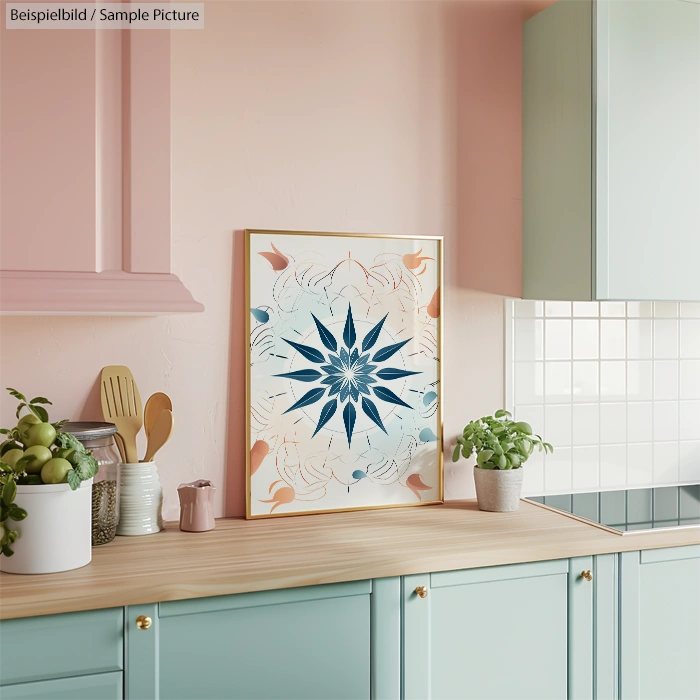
[45, 495]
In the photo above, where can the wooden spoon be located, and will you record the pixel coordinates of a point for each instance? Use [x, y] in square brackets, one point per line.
[156, 403]
[160, 434]
[119, 441]
[121, 405]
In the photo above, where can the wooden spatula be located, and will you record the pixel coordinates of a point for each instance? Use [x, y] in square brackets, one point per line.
[156, 403]
[121, 405]
[160, 434]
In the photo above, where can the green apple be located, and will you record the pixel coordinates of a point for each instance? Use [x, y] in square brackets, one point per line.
[25, 422]
[40, 434]
[11, 457]
[40, 456]
[9, 445]
[65, 453]
[55, 471]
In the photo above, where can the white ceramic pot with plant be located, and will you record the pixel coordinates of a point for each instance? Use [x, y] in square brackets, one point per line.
[502, 446]
[45, 494]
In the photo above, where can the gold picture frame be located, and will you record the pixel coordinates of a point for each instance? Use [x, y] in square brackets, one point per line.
[274, 258]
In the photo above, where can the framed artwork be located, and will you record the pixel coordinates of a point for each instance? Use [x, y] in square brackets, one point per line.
[343, 389]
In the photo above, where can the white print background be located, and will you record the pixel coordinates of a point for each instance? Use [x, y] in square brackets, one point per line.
[325, 275]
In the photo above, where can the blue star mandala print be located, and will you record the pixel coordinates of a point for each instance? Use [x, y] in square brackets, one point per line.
[348, 374]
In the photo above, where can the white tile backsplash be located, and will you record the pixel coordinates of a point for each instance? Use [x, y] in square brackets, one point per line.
[557, 340]
[585, 339]
[666, 380]
[690, 379]
[690, 339]
[586, 463]
[665, 338]
[557, 382]
[614, 386]
[612, 339]
[639, 335]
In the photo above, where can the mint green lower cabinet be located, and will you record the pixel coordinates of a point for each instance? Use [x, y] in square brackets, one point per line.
[56, 646]
[660, 624]
[102, 686]
[300, 643]
[523, 631]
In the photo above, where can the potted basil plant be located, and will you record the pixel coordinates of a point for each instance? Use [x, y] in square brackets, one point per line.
[502, 446]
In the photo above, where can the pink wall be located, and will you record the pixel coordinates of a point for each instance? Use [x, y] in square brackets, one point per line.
[394, 117]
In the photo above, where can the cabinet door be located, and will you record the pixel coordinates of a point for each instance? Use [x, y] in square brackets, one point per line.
[102, 686]
[648, 150]
[520, 631]
[660, 624]
[85, 204]
[300, 643]
[70, 644]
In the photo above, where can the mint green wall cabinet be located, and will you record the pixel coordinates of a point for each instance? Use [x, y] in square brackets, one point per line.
[611, 172]
[102, 686]
[522, 631]
[300, 643]
[660, 624]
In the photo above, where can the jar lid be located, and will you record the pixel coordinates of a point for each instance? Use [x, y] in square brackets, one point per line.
[90, 430]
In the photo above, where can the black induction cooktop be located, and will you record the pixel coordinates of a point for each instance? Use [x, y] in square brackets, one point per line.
[632, 510]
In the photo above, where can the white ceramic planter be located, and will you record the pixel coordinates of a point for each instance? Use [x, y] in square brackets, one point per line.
[498, 490]
[141, 499]
[56, 534]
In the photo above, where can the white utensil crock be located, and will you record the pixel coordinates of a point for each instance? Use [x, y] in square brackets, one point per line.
[56, 534]
[141, 499]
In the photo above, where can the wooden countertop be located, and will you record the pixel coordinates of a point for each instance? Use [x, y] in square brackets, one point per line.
[241, 556]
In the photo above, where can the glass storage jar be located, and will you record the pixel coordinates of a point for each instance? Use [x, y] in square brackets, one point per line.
[99, 439]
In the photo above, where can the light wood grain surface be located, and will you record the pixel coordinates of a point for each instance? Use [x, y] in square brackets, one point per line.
[241, 556]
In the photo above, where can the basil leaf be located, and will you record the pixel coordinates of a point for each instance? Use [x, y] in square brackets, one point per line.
[9, 491]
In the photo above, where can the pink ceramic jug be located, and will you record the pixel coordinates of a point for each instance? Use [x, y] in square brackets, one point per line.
[196, 506]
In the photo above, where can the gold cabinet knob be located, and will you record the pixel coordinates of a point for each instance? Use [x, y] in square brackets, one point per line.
[422, 591]
[143, 622]
[587, 575]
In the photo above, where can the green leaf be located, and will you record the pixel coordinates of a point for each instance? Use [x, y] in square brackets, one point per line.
[513, 459]
[17, 513]
[73, 479]
[19, 409]
[86, 466]
[497, 449]
[21, 463]
[16, 394]
[502, 462]
[9, 491]
[455, 452]
[484, 456]
[39, 412]
[547, 446]
[68, 440]
[60, 423]
[7, 551]
[501, 413]
[487, 465]
[5, 431]
[12, 445]
[523, 427]
[41, 399]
